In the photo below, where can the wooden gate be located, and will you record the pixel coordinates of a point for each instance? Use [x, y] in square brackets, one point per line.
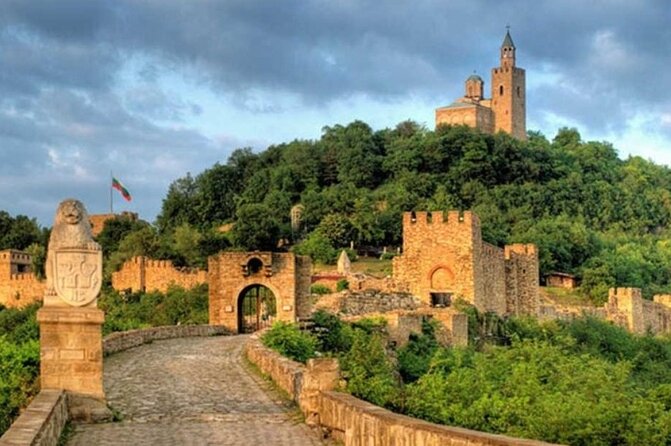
[257, 309]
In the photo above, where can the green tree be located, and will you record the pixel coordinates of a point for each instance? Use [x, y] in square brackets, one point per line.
[255, 228]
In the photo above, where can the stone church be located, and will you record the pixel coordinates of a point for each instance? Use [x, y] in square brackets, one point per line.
[504, 111]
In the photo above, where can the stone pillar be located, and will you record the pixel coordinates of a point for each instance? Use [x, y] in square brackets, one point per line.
[321, 375]
[71, 356]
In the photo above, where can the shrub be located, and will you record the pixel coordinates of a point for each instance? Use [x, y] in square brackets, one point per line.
[288, 340]
[369, 372]
[333, 335]
[415, 356]
[19, 367]
[342, 285]
[320, 289]
[318, 247]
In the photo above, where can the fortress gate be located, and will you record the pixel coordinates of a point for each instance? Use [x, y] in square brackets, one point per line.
[250, 290]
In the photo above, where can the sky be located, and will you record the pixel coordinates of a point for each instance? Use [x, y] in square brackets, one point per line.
[152, 89]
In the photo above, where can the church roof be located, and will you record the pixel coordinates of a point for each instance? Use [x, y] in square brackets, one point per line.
[474, 77]
[508, 41]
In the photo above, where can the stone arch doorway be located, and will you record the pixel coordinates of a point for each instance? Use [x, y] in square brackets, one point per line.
[257, 308]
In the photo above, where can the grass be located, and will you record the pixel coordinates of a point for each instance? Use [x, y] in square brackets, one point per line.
[565, 296]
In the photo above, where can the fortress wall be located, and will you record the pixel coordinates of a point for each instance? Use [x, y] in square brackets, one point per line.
[521, 266]
[440, 253]
[141, 273]
[303, 281]
[493, 273]
[19, 290]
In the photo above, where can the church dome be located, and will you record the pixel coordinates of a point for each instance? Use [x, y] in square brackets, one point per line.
[474, 77]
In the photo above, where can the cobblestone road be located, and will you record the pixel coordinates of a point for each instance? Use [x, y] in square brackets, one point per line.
[192, 391]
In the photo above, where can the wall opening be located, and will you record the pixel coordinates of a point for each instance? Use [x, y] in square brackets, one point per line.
[257, 308]
[254, 265]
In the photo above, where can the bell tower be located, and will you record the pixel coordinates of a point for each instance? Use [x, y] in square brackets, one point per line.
[509, 93]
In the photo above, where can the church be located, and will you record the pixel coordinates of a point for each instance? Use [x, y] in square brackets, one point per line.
[504, 111]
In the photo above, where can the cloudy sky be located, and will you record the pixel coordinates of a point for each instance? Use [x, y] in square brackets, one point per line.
[153, 89]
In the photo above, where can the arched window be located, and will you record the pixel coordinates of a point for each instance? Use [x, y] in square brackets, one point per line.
[500, 90]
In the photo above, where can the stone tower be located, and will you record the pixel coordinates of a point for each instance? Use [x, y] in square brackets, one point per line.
[508, 93]
[505, 111]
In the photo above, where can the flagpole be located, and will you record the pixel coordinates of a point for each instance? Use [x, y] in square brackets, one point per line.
[111, 193]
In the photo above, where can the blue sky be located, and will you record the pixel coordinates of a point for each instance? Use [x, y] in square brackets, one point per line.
[154, 89]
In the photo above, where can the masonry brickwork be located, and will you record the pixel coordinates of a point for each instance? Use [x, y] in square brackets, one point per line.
[18, 284]
[286, 275]
[98, 220]
[144, 274]
[506, 109]
[443, 254]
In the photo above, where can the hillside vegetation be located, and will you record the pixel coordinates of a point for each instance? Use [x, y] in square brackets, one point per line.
[583, 382]
[591, 213]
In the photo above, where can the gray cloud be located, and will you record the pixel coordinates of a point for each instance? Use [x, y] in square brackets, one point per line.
[61, 62]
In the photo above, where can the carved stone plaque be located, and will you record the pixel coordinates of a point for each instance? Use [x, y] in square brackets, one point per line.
[77, 275]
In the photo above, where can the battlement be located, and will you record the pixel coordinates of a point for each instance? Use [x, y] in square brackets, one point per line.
[142, 273]
[421, 218]
[23, 277]
[662, 299]
[526, 249]
[15, 256]
[630, 293]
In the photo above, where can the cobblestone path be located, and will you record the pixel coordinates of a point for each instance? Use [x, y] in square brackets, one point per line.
[192, 391]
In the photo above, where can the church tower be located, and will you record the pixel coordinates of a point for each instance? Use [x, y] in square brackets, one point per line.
[509, 93]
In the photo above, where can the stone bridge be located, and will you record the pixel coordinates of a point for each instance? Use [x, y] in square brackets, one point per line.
[192, 391]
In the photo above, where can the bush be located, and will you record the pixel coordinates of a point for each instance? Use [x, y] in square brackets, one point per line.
[333, 335]
[342, 285]
[415, 356]
[320, 289]
[288, 340]
[369, 372]
[19, 368]
[139, 310]
[318, 247]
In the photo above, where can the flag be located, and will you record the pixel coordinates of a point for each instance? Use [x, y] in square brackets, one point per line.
[116, 184]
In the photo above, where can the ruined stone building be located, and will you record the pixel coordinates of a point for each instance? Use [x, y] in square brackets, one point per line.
[504, 111]
[18, 285]
[444, 258]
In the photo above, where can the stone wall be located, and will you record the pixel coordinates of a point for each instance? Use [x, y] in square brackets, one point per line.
[124, 340]
[522, 271]
[286, 275]
[18, 285]
[42, 423]
[492, 268]
[98, 220]
[144, 274]
[440, 251]
[627, 308]
[356, 422]
[372, 301]
[443, 253]
[19, 290]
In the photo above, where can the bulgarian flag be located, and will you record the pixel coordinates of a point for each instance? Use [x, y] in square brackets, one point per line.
[116, 184]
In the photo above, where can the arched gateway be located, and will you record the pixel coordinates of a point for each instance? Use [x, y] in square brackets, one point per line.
[250, 290]
[257, 309]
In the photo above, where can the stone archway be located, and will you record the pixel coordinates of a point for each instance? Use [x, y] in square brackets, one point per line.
[257, 308]
[442, 286]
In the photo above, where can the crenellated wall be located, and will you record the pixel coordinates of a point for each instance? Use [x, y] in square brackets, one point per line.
[443, 254]
[18, 285]
[144, 274]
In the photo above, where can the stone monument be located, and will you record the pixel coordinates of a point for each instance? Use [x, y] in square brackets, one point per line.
[70, 323]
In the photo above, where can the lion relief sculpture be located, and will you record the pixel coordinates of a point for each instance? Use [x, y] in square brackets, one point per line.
[71, 230]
